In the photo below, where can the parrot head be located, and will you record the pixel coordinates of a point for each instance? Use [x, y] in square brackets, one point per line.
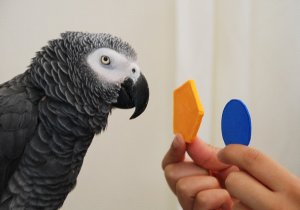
[111, 67]
[108, 66]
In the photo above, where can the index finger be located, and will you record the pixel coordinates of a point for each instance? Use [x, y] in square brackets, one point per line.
[176, 152]
[259, 165]
[204, 155]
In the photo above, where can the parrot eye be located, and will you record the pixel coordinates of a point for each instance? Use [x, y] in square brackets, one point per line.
[105, 60]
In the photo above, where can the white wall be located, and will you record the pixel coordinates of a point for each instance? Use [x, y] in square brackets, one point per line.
[253, 54]
[122, 169]
[275, 80]
[195, 50]
[258, 60]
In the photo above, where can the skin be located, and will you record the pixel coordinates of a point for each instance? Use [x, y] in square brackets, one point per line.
[236, 177]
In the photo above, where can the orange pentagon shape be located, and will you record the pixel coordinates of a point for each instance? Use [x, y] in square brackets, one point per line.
[187, 111]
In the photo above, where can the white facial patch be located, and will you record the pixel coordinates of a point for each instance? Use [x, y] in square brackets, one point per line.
[117, 70]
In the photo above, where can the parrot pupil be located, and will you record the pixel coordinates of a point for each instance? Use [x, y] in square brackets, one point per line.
[105, 60]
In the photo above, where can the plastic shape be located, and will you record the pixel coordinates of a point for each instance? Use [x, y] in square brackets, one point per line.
[236, 123]
[188, 111]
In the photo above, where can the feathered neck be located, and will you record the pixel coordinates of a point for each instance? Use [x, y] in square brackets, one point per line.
[56, 77]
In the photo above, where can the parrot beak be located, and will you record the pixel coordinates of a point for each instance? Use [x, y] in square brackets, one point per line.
[133, 95]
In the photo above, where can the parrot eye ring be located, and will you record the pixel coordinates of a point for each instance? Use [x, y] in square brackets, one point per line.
[105, 60]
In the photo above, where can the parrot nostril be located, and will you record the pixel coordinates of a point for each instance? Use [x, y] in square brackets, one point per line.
[133, 70]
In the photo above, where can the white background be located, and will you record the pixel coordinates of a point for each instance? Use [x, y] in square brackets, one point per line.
[254, 56]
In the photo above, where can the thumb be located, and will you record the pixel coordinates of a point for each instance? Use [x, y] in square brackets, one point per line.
[176, 152]
[205, 155]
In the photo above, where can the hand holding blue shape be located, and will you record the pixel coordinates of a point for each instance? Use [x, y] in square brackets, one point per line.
[236, 123]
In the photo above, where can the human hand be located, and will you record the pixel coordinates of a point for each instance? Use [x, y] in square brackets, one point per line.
[262, 183]
[191, 180]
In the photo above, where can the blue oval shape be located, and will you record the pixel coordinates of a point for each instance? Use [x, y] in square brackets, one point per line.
[236, 123]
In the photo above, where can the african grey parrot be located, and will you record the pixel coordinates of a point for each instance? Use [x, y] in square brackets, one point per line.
[50, 114]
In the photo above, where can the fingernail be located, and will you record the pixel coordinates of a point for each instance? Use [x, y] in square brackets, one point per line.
[219, 153]
[176, 143]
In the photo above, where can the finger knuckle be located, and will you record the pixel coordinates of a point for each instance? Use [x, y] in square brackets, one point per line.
[231, 179]
[251, 157]
[237, 205]
[202, 200]
[226, 194]
[171, 172]
[215, 182]
[181, 188]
